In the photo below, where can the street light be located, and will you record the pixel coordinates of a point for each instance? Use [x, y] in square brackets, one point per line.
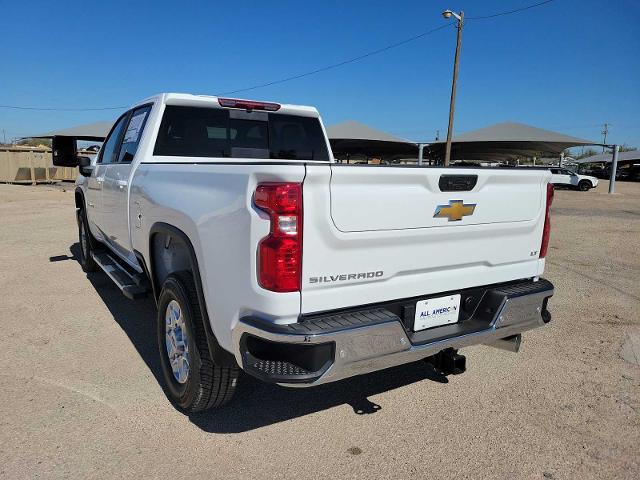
[460, 18]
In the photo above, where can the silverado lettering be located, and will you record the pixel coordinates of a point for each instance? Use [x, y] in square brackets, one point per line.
[345, 277]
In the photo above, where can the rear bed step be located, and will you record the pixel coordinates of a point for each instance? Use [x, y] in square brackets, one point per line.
[131, 285]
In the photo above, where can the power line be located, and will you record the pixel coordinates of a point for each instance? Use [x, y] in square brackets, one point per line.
[17, 107]
[509, 12]
[380, 50]
[344, 62]
[574, 127]
[311, 72]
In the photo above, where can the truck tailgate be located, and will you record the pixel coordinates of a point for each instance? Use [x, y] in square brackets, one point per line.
[373, 234]
[377, 199]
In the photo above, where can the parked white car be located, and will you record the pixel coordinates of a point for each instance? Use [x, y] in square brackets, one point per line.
[566, 178]
[264, 254]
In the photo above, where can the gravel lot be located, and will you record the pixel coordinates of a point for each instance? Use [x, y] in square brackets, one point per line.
[81, 395]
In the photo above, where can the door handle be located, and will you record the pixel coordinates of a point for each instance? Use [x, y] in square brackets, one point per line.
[121, 184]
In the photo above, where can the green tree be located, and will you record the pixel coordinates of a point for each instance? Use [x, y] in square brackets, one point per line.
[35, 142]
[588, 152]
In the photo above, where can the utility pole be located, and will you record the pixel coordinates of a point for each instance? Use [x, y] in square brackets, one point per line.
[614, 169]
[452, 106]
[605, 132]
[4, 137]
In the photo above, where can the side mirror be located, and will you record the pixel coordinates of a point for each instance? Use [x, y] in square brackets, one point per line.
[84, 166]
[64, 151]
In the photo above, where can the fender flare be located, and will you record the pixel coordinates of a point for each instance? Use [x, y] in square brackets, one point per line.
[83, 206]
[79, 193]
[219, 355]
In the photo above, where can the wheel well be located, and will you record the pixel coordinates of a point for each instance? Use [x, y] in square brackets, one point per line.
[171, 251]
[79, 200]
[168, 254]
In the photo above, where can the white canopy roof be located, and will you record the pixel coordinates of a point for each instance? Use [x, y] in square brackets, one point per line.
[92, 131]
[608, 157]
[507, 140]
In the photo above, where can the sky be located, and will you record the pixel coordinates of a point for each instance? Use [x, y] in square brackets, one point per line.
[568, 66]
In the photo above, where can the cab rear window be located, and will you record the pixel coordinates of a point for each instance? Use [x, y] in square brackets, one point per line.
[216, 132]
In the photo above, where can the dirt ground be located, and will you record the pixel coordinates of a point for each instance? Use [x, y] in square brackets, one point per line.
[81, 395]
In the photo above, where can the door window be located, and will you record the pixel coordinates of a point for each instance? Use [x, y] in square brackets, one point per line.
[109, 150]
[133, 133]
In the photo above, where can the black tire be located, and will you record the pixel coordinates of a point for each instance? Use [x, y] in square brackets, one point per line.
[584, 185]
[86, 241]
[207, 385]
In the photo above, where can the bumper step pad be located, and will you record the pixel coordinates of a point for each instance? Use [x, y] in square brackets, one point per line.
[278, 368]
[343, 321]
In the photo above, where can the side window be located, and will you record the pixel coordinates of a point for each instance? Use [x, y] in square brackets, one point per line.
[193, 132]
[133, 133]
[297, 138]
[110, 147]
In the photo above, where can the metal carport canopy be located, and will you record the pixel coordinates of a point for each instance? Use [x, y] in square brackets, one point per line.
[631, 156]
[508, 140]
[97, 131]
[351, 137]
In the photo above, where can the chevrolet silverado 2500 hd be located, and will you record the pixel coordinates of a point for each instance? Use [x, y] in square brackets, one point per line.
[264, 254]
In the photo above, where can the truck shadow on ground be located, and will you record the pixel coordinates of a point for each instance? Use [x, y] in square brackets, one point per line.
[255, 404]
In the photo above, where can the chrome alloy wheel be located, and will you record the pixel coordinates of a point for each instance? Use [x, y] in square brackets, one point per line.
[177, 341]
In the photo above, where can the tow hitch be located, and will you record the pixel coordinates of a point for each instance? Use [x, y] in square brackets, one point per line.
[448, 362]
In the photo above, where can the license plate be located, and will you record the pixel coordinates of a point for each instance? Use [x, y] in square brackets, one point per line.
[436, 312]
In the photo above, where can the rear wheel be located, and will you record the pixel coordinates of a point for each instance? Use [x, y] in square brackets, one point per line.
[584, 185]
[194, 381]
[85, 240]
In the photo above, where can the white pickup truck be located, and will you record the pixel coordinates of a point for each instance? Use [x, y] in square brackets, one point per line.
[264, 254]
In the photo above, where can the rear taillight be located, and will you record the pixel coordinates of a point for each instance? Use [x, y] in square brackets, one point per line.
[280, 252]
[547, 222]
[248, 104]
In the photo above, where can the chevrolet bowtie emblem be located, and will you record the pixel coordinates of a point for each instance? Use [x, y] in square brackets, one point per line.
[455, 210]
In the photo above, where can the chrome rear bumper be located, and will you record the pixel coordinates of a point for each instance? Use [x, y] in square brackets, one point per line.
[372, 339]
